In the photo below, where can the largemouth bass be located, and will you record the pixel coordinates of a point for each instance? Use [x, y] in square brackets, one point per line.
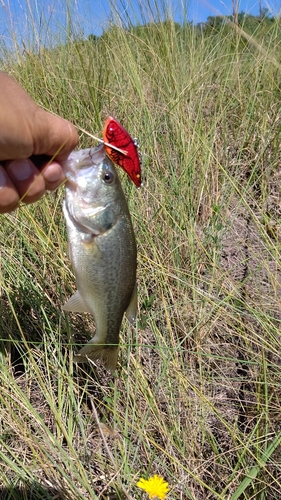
[102, 250]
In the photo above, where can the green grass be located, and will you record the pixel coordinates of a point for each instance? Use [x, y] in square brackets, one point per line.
[197, 396]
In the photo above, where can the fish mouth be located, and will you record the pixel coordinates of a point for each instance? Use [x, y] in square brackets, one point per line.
[84, 158]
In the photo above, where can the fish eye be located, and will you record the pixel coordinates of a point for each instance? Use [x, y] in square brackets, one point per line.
[108, 177]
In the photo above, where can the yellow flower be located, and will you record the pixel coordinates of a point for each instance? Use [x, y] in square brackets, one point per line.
[155, 487]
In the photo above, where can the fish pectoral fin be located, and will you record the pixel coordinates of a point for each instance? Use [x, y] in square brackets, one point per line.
[131, 311]
[75, 304]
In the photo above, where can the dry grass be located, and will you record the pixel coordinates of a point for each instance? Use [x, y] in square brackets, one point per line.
[197, 396]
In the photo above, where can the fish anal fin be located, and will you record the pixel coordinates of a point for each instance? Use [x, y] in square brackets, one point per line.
[75, 304]
[131, 311]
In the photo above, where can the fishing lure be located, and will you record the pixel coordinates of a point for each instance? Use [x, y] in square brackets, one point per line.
[124, 151]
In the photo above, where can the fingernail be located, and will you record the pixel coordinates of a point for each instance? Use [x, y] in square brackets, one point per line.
[3, 179]
[52, 173]
[20, 169]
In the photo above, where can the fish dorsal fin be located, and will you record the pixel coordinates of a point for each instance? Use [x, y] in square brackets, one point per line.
[75, 304]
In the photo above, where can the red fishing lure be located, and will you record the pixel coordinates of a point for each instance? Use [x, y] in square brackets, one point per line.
[115, 134]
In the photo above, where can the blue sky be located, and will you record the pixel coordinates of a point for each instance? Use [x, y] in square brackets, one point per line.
[47, 18]
[200, 9]
[197, 10]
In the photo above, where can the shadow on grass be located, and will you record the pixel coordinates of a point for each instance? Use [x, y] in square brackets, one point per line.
[35, 491]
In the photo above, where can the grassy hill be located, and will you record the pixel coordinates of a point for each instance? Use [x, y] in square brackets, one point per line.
[197, 394]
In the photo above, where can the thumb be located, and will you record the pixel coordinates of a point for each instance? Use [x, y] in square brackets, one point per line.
[53, 135]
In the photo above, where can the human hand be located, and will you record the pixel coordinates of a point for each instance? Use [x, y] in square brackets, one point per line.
[29, 138]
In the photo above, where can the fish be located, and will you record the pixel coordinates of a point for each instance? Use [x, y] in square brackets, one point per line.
[115, 134]
[102, 250]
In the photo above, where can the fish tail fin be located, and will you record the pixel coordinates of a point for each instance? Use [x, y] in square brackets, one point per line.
[108, 354]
